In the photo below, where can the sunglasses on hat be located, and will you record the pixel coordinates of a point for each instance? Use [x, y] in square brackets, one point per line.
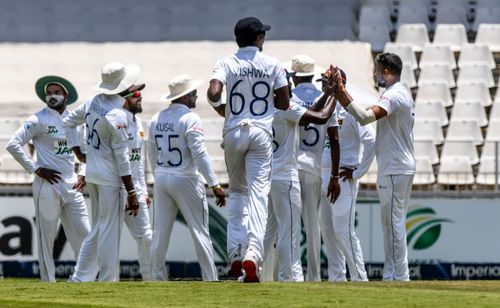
[136, 93]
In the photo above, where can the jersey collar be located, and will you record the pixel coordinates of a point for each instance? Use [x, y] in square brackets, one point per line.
[55, 113]
[175, 105]
[249, 49]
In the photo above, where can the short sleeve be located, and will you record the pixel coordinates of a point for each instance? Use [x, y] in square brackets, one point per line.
[388, 103]
[280, 80]
[219, 72]
[294, 113]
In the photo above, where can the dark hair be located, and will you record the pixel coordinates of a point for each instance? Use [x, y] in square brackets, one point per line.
[305, 78]
[247, 39]
[391, 62]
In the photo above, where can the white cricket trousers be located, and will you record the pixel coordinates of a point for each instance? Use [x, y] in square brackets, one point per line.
[50, 206]
[310, 187]
[140, 229]
[103, 240]
[339, 236]
[394, 192]
[248, 155]
[284, 221]
[185, 194]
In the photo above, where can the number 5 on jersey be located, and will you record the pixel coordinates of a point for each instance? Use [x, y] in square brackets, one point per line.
[171, 149]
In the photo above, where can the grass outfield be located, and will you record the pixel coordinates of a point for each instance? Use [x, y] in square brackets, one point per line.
[436, 294]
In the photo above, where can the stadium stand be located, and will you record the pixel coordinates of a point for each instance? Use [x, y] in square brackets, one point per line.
[408, 76]
[424, 172]
[455, 170]
[404, 51]
[431, 110]
[427, 149]
[453, 35]
[473, 91]
[470, 110]
[424, 130]
[452, 148]
[480, 73]
[437, 72]
[465, 130]
[414, 34]
[476, 53]
[434, 91]
[489, 34]
[437, 54]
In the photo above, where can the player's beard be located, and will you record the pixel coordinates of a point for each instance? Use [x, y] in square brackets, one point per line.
[381, 82]
[54, 101]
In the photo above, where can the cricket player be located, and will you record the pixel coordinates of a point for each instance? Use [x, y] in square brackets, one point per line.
[337, 220]
[108, 168]
[177, 153]
[255, 84]
[284, 199]
[54, 187]
[395, 116]
[139, 225]
[312, 138]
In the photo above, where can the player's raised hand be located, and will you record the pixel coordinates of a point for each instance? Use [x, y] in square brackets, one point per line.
[220, 195]
[80, 183]
[132, 205]
[50, 175]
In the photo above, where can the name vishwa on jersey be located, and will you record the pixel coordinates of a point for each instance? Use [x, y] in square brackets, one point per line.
[165, 127]
[252, 72]
[98, 109]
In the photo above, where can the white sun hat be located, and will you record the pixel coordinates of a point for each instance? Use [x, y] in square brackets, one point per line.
[180, 86]
[116, 77]
[301, 65]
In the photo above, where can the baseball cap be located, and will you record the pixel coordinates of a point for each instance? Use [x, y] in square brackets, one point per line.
[249, 25]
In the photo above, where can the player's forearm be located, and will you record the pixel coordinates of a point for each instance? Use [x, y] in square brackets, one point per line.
[320, 103]
[128, 183]
[201, 159]
[15, 148]
[121, 155]
[327, 112]
[335, 157]
[362, 115]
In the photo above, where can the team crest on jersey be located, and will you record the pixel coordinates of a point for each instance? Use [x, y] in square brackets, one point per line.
[130, 136]
[340, 121]
[141, 134]
[52, 130]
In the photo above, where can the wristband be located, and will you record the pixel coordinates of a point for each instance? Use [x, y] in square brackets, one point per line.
[214, 104]
[334, 176]
[216, 187]
[131, 192]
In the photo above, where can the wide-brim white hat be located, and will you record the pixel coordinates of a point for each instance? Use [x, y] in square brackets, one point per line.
[117, 77]
[180, 86]
[301, 65]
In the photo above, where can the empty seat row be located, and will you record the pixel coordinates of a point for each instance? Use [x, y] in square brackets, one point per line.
[439, 91]
[452, 35]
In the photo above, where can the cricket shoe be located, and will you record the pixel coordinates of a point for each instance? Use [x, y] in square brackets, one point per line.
[235, 267]
[250, 270]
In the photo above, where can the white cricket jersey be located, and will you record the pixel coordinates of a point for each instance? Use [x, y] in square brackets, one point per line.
[176, 144]
[286, 142]
[107, 138]
[312, 136]
[250, 78]
[136, 141]
[394, 142]
[351, 136]
[46, 130]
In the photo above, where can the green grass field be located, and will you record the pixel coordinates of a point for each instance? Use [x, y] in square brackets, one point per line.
[33, 293]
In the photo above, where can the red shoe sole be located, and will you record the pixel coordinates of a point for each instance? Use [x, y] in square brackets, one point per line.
[250, 269]
[235, 270]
